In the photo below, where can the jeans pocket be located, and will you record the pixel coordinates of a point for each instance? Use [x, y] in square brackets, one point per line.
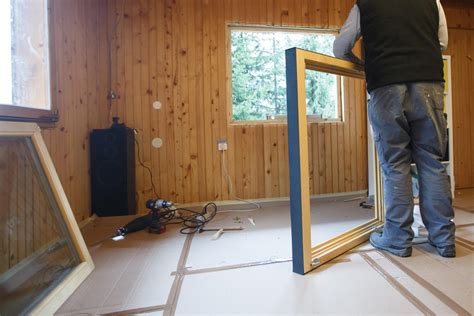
[436, 94]
[379, 146]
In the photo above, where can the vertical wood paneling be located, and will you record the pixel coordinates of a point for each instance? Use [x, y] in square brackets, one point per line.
[175, 52]
[461, 48]
[191, 55]
[79, 43]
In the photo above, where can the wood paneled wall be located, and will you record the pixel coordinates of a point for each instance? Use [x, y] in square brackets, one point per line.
[461, 48]
[176, 52]
[79, 38]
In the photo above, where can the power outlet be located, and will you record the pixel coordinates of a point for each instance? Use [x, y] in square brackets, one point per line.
[222, 145]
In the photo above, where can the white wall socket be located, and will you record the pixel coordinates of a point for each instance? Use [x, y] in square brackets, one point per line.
[222, 145]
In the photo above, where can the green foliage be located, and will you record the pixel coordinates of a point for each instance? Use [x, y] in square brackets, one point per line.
[259, 80]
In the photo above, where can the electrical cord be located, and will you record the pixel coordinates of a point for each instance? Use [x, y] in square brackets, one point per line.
[192, 221]
[231, 191]
[158, 218]
[140, 161]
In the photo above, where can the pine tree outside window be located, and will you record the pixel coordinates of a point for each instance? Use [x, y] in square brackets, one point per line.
[259, 80]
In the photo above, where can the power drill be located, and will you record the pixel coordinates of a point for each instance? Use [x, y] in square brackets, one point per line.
[151, 220]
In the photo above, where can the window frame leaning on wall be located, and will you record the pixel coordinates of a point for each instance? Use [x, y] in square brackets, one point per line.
[26, 112]
[305, 256]
[53, 300]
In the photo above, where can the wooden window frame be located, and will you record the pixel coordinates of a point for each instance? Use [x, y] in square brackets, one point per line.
[282, 119]
[54, 299]
[305, 256]
[24, 113]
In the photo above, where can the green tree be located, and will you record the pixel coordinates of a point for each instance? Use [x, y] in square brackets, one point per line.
[258, 74]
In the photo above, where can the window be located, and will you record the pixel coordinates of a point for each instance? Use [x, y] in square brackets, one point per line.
[259, 74]
[24, 60]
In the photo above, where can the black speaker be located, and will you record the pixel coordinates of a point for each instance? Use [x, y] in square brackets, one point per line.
[112, 157]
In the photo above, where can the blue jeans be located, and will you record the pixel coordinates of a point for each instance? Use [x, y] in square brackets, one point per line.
[409, 126]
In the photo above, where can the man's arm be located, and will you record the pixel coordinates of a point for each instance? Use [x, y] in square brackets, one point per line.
[443, 28]
[348, 36]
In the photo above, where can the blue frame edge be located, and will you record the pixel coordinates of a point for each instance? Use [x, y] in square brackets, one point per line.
[294, 159]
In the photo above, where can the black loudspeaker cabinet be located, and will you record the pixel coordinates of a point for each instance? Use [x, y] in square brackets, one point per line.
[112, 155]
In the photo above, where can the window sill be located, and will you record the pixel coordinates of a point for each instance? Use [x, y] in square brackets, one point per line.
[284, 122]
[44, 118]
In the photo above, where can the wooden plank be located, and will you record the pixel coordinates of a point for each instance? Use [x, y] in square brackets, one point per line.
[239, 165]
[5, 213]
[340, 157]
[325, 12]
[316, 159]
[193, 169]
[159, 119]
[246, 160]
[267, 159]
[81, 166]
[236, 11]
[137, 98]
[13, 211]
[305, 13]
[119, 52]
[470, 179]
[277, 8]
[215, 100]
[154, 94]
[347, 136]
[262, 12]
[311, 159]
[208, 140]
[222, 64]
[334, 158]
[270, 18]
[329, 162]
[283, 172]
[321, 132]
[146, 91]
[260, 152]
[128, 95]
[362, 160]
[285, 12]
[251, 10]
[182, 106]
[21, 203]
[230, 155]
[294, 17]
[274, 161]
[253, 175]
[36, 212]
[169, 172]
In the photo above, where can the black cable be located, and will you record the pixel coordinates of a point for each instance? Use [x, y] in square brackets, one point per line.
[191, 220]
[140, 161]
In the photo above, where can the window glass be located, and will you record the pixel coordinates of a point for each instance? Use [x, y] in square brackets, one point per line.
[259, 74]
[24, 54]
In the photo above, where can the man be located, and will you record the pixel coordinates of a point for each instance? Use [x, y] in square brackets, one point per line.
[403, 40]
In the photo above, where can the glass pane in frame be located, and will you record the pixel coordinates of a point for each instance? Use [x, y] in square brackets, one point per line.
[305, 256]
[41, 250]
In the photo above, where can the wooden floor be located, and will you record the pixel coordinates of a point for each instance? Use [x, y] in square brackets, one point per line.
[250, 272]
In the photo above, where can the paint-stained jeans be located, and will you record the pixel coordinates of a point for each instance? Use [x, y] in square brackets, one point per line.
[409, 126]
